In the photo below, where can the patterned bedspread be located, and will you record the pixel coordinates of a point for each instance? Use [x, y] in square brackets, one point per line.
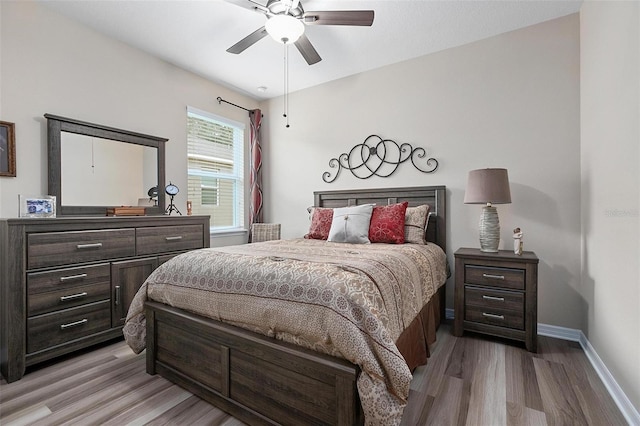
[346, 300]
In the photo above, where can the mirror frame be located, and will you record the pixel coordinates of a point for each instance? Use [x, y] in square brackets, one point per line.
[56, 125]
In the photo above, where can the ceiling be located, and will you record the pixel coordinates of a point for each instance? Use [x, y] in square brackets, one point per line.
[194, 35]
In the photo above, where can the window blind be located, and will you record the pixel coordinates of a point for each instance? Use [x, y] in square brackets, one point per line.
[215, 152]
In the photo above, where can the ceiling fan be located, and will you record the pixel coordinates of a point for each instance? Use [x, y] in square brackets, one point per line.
[286, 20]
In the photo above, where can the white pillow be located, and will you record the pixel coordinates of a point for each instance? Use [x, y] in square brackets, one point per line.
[351, 224]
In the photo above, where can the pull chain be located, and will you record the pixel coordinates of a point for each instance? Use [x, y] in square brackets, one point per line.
[286, 84]
[93, 159]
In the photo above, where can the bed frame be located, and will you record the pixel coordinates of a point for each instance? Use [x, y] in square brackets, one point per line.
[261, 380]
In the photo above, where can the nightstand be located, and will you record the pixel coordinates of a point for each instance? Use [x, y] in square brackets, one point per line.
[497, 294]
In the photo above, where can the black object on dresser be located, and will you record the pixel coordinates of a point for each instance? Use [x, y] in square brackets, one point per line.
[497, 294]
[67, 283]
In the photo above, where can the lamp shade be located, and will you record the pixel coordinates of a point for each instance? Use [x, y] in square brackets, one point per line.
[488, 186]
[284, 28]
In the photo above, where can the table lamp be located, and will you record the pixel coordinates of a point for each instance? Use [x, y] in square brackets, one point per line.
[488, 186]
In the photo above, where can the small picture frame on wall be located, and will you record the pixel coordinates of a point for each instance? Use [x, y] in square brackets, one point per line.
[37, 206]
[7, 149]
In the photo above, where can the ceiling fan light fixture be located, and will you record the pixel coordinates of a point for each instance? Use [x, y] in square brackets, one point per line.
[284, 29]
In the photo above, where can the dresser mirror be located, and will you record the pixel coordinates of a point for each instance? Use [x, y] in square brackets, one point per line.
[94, 167]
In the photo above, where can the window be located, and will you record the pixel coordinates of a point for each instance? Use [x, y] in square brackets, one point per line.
[209, 188]
[215, 151]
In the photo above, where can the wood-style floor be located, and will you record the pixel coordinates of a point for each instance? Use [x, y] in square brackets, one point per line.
[471, 380]
[478, 380]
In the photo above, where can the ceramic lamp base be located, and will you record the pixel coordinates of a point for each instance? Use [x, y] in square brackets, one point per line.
[489, 230]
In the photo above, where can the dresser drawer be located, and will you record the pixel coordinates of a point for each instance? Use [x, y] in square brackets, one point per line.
[162, 239]
[63, 248]
[495, 277]
[490, 299]
[59, 327]
[66, 288]
[494, 316]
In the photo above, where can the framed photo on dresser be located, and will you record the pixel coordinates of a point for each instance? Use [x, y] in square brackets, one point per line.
[37, 206]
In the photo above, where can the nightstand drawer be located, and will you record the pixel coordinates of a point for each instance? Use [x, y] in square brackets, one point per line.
[495, 277]
[52, 329]
[494, 299]
[494, 316]
[162, 239]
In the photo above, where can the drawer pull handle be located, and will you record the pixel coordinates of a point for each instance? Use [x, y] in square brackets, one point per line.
[497, 277]
[73, 296]
[117, 297]
[89, 246]
[73, 277]
[499, 299]
[494, 316]
[74, 324]
[176, 238]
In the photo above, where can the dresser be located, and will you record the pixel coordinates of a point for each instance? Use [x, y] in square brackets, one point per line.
[497, 294]
[66, 283]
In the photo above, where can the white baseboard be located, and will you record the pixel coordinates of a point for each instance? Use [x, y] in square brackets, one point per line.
[629, 412]
[560, 332]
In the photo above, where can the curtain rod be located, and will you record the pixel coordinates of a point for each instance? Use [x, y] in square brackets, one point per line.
[220, 100]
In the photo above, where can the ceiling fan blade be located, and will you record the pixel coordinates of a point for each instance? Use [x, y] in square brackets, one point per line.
[248, 4]
[339, 17]
[248, 41]
[307, 50]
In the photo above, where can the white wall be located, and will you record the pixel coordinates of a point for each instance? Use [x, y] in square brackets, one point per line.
[508, 101]
[50, 64]
[610, 158]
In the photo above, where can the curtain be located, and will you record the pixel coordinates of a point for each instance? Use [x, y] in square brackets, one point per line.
[255, 165]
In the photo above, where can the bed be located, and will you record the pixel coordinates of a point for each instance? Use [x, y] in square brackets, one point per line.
[284, 341]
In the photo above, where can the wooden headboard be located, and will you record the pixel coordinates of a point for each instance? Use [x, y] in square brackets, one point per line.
[432, 195]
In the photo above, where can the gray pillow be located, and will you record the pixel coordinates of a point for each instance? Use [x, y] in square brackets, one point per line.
[351, 224]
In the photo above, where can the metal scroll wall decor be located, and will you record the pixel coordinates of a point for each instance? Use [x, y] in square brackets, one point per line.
[378, 157]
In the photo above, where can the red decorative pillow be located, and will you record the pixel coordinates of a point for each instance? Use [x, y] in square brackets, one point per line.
[321, 218]
[387, 224]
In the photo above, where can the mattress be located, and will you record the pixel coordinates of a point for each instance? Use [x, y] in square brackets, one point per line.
[347, 300]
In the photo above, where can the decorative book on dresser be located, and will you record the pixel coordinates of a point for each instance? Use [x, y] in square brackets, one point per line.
[66, 283]
[497, 294]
